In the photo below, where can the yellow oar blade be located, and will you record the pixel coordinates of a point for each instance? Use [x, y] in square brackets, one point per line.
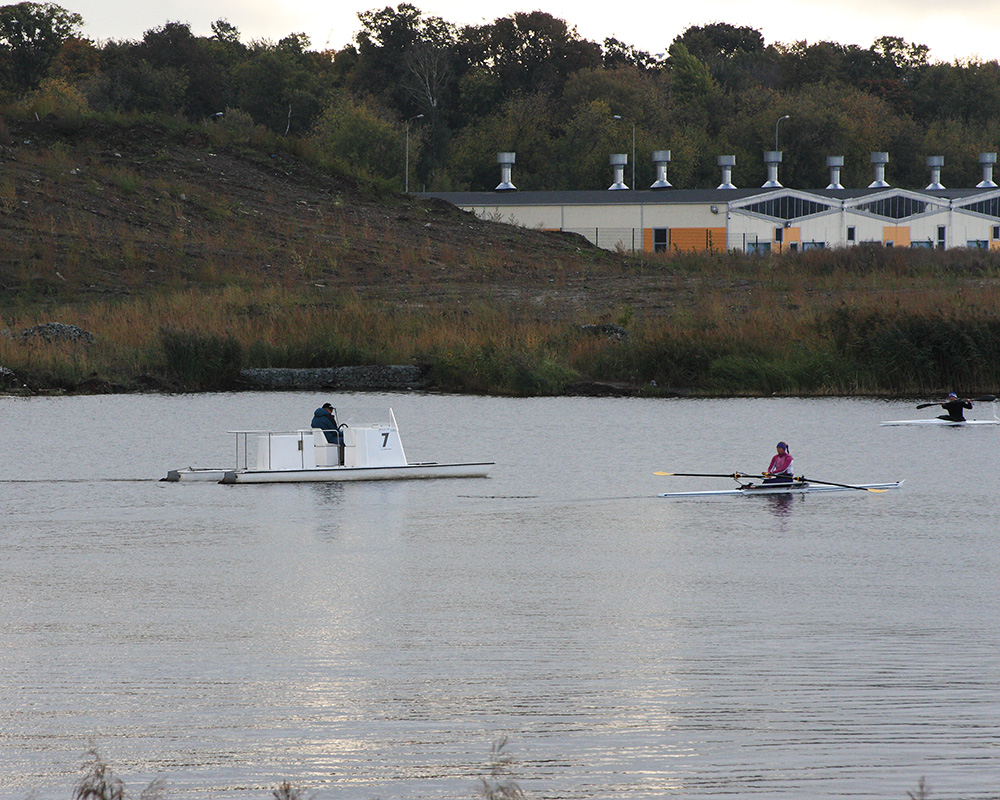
[664, 473]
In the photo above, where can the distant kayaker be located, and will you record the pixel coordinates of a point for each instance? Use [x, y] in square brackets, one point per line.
[780, 468]
[954, 406]
[325, 418]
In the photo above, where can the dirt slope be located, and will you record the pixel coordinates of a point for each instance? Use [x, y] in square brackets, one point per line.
[99, 208]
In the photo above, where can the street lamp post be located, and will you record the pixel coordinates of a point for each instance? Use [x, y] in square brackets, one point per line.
[776, 124]
[406, 169]
[620, 117]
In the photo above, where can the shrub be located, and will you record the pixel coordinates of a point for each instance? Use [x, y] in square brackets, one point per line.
[201, 361]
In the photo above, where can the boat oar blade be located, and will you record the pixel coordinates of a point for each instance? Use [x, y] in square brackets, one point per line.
[803, 479]
[927, 405]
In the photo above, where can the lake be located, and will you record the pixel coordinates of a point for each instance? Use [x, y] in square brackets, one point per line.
[375, 640]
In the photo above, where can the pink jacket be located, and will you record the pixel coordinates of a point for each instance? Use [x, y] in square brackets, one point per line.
[780, 464]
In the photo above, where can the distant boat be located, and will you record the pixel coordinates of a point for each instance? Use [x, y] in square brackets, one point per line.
[951, 423]
[372, 451]
[948, 423]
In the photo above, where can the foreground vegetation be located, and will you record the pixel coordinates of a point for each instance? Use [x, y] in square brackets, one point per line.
[99, 782]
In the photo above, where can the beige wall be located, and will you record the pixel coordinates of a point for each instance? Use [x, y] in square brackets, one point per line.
[631, 225]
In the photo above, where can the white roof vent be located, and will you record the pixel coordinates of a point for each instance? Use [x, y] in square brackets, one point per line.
[935, 163]
[660, 160]
[835, 163]
[726, 163]
[772, 158]
[879, 160]
[986, 161]
[506, 161]
[618, 162]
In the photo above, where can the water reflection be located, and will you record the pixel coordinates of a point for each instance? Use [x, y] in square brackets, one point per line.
[781, 504]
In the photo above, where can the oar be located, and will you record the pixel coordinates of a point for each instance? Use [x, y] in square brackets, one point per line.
[842, 485]
[986, 398]
[734, 475]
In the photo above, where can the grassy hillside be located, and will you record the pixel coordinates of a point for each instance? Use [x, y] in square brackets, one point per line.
[192, 251]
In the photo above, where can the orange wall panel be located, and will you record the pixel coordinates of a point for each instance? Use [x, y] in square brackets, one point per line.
[698, 239]
[899, 236]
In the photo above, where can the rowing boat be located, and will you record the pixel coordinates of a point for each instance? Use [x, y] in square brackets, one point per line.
[754, 490]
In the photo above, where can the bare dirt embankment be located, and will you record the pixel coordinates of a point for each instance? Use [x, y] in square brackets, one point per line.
[105, 208]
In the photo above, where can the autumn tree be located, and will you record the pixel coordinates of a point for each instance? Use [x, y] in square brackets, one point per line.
[31, 35]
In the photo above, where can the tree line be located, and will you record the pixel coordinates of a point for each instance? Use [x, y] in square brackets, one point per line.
[417, 89]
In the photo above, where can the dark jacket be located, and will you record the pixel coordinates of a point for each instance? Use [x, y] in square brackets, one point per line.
[954, 409]
[328, 423]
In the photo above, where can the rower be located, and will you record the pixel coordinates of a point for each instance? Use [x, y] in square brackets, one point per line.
[780, 468]
[953, 405]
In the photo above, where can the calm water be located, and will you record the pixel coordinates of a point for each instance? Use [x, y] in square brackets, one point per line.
[373, 640]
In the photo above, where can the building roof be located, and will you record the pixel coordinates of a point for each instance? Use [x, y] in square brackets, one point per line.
[674, 196]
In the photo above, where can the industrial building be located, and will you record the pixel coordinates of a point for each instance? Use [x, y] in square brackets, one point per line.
[769, 219]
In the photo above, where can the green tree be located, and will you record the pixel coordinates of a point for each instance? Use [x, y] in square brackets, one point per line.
[31, 35]
[523, 125]
[127, 82]
[174, 46]
[735, 56]
[405, 60]
[618, 54]
[691, 82]
[283, 86]
[362, 137]
[529, 51]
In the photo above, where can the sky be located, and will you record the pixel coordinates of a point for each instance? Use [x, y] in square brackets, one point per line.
[953, 29]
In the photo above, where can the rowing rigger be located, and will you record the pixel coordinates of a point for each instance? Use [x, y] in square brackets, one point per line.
[798, 485]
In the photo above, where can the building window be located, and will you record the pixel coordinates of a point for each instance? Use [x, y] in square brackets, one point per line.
[922, 245]
[978, 244]
[659, 240]
[758, 248]
[813, 245]
[941, 234]
[850, 233]
[779, 235]
[996, 231]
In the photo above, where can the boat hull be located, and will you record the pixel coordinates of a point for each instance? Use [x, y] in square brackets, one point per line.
[337, 474]
[936, 423]
[783, 489]
[192, 474]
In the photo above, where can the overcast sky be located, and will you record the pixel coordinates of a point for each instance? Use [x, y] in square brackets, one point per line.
[953, 29]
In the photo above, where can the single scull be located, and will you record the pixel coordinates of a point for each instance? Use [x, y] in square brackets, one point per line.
[754, 490]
